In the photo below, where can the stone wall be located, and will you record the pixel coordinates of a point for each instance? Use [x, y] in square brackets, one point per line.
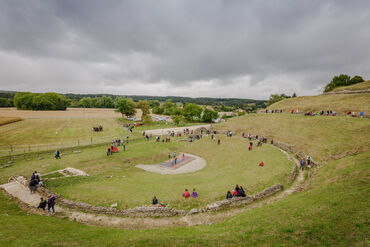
[284, 146]
[138, 211]
[237, 201]
[293, 173]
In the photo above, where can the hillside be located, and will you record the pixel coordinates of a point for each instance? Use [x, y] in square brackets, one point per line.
[355, 87]
[330, 210]
[338, 102]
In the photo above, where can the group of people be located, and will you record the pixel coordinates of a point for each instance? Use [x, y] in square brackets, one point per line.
[50, 203]
[186, 194]
[35, 181]
[274, 111]
[237, 192]
[114, 146]
[98, 129]
[229, 133]
[303, 162]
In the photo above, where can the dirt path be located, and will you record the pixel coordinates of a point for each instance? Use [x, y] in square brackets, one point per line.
[20, 191]
[158, 132]
[195, 165]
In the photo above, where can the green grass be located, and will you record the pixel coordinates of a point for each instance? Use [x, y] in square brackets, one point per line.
[227, 164]
[333, 211]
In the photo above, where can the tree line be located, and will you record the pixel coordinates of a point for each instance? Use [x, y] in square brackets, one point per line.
[189, 112]
[40, 101]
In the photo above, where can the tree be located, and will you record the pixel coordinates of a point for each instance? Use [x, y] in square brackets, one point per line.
[125, 106]
[4, 102]
[145, 108]
[85, 102]
[154, 103]
[356, 79]
[338, 81]
[177, 119]
[23, 100]
[190, 111]
[209, 115]
[168, 107]
[157, 110]
[275, 98]
[294, 95]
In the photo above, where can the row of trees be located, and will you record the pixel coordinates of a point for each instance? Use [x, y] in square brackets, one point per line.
[4, 102]
[94, 102]
[40, 101]
[190, 112]
[341, 81]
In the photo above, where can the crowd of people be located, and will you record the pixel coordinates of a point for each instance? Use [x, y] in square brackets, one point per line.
[35, 181]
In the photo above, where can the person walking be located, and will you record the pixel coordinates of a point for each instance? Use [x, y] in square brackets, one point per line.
[302, 165]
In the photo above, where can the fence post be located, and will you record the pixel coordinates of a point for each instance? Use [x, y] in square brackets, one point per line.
[24, 153]
[78, 144]
[10, 155]
[29, 147]
[11, 148]
[91, 140]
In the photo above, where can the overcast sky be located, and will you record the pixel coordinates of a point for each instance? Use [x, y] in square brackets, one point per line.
[212, 48]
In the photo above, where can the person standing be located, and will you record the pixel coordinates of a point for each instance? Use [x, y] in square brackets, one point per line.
[51, 203]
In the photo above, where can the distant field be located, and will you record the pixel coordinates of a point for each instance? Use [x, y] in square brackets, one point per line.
[8, 120]
[355, 87]
[340, 103]
[69, 113]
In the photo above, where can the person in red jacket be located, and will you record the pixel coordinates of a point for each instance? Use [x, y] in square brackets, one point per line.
[261, 164]
[186, 194]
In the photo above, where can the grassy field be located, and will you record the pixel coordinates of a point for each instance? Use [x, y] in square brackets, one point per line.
[227, 164]
[333, 209]
[340, 103]
[355, 87]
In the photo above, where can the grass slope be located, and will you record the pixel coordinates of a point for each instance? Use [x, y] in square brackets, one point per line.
[340, 103]
[355, 87]
[227, 164]
[332, 211]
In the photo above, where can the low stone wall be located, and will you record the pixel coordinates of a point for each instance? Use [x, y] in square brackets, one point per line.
[284, 146]
[349, 92]
[237, 201]
[302, 155]
[293, 173]
[138, 211]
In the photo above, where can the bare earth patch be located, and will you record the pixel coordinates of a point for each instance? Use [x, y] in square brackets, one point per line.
[194, 165]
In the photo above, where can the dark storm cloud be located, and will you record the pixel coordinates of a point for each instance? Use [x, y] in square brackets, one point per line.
[228, 48]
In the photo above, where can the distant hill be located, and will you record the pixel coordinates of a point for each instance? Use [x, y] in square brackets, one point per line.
[340, 100]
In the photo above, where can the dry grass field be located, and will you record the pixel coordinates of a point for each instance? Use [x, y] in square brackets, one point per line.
[8, 120]
[69, 113]
[340, 103]
[355, 87]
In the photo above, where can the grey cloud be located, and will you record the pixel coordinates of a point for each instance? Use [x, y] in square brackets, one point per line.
[227, 48]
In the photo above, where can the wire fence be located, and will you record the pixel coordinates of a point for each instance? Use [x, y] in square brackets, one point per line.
[11, 151]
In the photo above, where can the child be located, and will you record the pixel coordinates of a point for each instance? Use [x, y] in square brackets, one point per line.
[42, 204]
[229, 195]
[186, 194]
[194, 194]
[261, 164]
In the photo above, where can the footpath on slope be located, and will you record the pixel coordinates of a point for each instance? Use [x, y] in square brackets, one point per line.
[29, 201]
[176, 129]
